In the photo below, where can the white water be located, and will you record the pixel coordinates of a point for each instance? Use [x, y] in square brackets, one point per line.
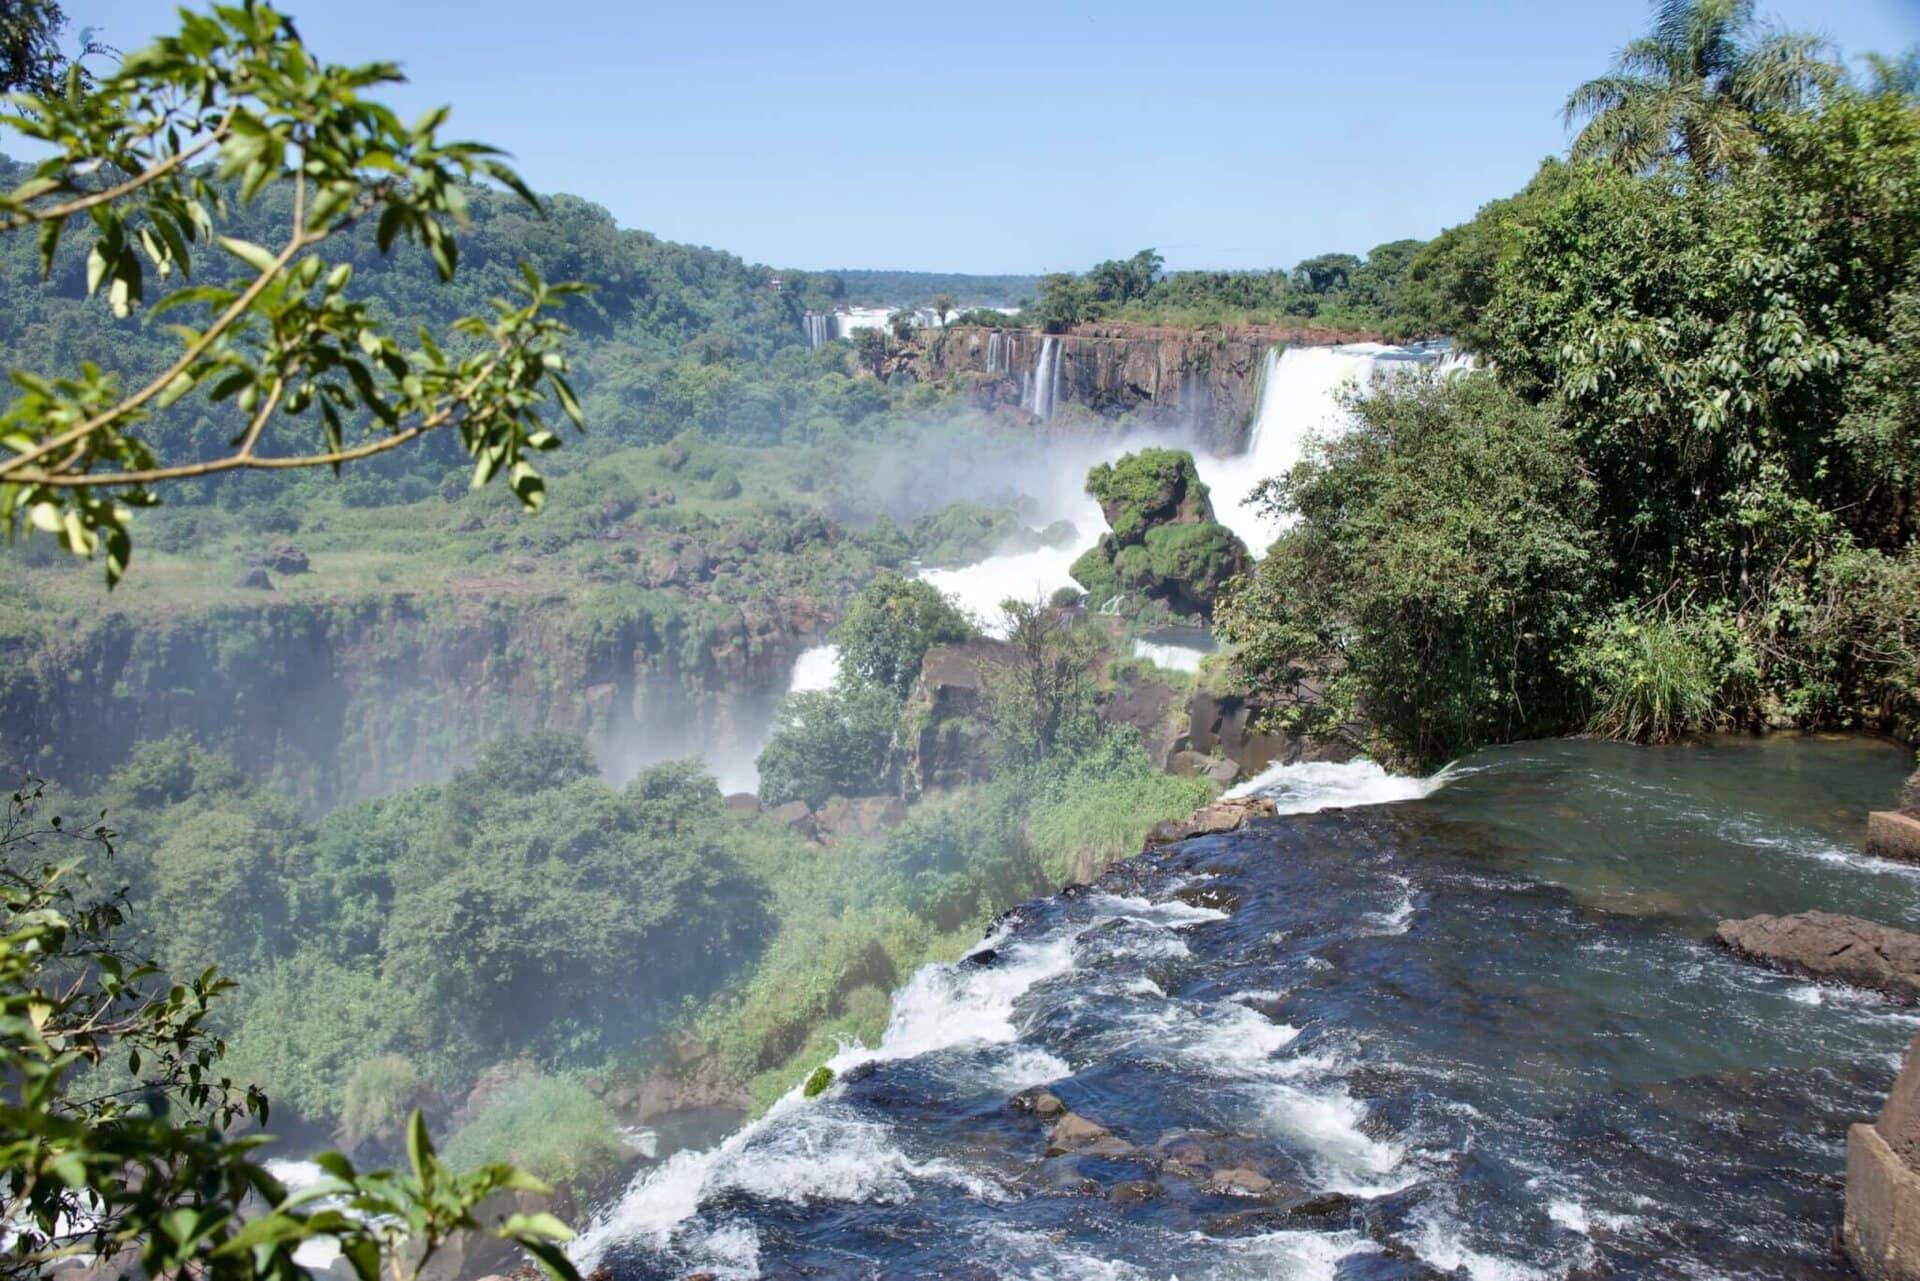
[1300, 397]
[1175, 658]
[1316, 785]
[1043, 388]
[979, 588]
[815, 669]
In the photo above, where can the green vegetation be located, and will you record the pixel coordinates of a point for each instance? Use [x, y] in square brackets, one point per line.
[554, 1128]
[890, 626]
[830, 743]
[1164, 544]
[1686, 496]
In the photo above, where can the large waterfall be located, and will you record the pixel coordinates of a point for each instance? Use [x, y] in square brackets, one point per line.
[821, 328]
[999, 353]
[1042, 391]
[1301, 395]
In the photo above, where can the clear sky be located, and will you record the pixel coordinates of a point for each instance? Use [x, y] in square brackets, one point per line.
[1011, 137]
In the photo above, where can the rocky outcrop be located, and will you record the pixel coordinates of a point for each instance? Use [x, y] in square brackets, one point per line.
[1821, 945]
[1881, 1231]
[1221, 724]
[1162, 543]
[1211, 820]
[944, 740]
[1895, 835]
[1208, 379]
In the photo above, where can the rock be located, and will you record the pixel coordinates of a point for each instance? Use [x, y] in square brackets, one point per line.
[1135, 1190]
[1074, 1133]
[745, 802]
[947, 741]
[1325, 1205]
[1825, 946]
[1211, 820]
[490, 1082]
[1894, 835]
[1192, 764]
[1038, 1100]
[861, 817]
[663, 571]
[254, 579]
[1239, 1182]
[1899, 1122]
[284, 559]
[1215, 897]
[1881, 1230]
[693, 564]
[1910, 796]
[796, 815]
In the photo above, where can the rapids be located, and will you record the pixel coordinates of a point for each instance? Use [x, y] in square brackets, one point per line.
[1469, 1026]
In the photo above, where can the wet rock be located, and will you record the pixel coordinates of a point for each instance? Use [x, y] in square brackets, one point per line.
[981, 960]
[1217, 897]
[1039, 1101]
[254, 579]
[1894, 835]
[1239, 1182]
[1823, 945]
[1322, 1207]
[1074, 1133]
[1134, 1190]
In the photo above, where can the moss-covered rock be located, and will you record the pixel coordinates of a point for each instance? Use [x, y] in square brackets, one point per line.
[1165, 546]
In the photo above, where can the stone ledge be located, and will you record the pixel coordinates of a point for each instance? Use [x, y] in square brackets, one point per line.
[1893, 835]
[1881, 1231]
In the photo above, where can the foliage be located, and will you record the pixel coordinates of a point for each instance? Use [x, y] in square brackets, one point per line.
[829, 743]
[549, 1126]
[1439, 564]
[380, 1094]
[149, 1173]
[1165, 543]
[889, 627]
[818, 1082]
[1701, 87]
[1652, 679]
[285, 340]
[1096, 811]
[1041, 699]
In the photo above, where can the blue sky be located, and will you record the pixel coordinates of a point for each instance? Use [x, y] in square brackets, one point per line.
[1023, 137]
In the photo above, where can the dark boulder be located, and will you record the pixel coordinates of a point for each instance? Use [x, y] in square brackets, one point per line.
[1821, 945]
[254, 578]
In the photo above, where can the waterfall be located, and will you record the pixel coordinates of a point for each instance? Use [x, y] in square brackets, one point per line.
[999, 353]
[820, 328]
[1300, 395]
[1044, 387]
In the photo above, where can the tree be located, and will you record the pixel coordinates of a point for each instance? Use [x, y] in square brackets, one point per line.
[31, 60]
[145, 1173]
[1041, 699]
[191, 128]
[1698, 87]
[871, 346]
[1438, 565]
[943, 305]
[890, 626]
[829, 743]
[1325, 273]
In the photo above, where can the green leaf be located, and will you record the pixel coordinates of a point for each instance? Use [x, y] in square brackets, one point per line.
[255, 256]
[419, 1147]
[539, 1224]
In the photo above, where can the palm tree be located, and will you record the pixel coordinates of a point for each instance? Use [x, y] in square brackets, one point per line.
[1696, 87]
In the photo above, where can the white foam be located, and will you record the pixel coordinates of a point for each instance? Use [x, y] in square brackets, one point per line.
[1296, 1256]
[1172, 914]
[979, 588]
[1307, 786]
[815, 669]
[1175, 658]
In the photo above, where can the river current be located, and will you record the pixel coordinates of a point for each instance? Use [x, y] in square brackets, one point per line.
[1474, 1030]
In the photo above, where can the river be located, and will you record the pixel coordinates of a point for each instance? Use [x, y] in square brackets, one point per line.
[1475, 1030]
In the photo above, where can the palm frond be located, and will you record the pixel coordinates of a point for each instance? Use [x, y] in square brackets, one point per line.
[1784, 69]
[1606, 93]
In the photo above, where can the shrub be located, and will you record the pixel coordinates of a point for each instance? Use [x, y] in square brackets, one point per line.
[553, 1128]
[1653, 679]
[381, 1094]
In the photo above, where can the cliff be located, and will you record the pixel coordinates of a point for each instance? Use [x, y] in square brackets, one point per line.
[1206, 378]
[339, 700]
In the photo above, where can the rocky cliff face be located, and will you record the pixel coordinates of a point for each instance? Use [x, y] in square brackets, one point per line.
[1208, 379]
[337, 702]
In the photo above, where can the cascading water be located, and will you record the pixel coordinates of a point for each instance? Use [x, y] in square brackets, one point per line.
[999, 353]
[815, 669]
[1043, 389]
[1475, 1033]
[820, 328]
[1300, 396]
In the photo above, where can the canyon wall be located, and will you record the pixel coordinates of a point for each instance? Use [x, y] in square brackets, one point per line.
[334, 702]
[1207, 379]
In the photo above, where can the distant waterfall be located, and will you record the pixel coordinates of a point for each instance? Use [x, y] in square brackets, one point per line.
[820, 328]
[999, 353]
[1043, 389]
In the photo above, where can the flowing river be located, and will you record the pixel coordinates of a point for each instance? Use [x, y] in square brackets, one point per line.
[1466, 1026]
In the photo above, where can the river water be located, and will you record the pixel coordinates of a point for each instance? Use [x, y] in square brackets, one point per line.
[1475, 1031]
